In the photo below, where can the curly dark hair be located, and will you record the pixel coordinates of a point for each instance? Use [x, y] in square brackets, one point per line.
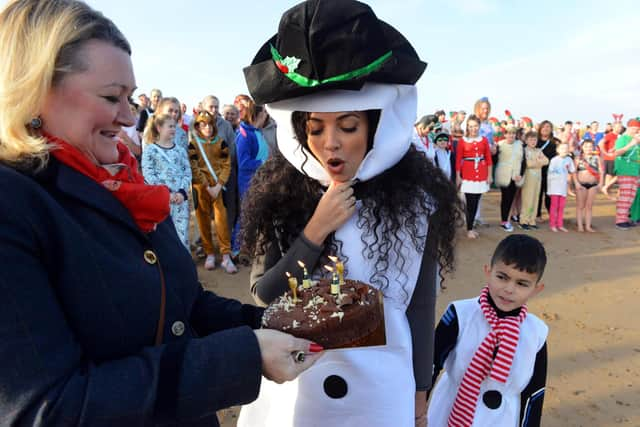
[281, 200]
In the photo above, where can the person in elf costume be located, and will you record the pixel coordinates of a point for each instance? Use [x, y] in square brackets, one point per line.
[348, 182]
[634, 215]
[627, 168]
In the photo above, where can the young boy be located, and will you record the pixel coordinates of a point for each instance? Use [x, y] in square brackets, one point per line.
[443, 157]
[535, 160]
[494, 353]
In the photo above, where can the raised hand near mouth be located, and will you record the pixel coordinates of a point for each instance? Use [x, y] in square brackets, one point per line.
[335, 207]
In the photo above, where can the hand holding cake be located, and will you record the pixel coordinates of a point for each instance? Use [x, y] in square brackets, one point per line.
[277, 348]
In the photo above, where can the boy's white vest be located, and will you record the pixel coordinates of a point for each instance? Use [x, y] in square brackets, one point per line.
[473, 328]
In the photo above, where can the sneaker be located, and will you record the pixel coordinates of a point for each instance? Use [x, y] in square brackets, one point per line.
[515, 218]
[525, 227]
[623, 226]
[534, 227]
[228, 265]
[210, 262]
[507, 227]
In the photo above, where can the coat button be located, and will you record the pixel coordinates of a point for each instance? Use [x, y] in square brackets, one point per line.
[150, 257]
[177, 328]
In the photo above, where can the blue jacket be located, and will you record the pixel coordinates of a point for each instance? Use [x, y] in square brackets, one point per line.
[79, 305]
[252, 151]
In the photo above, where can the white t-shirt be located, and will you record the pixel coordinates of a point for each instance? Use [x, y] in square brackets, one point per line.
[558, 175]
[424, 145]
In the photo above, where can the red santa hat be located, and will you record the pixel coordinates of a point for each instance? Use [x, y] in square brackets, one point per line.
[634, 123]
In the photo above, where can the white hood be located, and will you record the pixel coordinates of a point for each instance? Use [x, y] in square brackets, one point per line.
[397, 103]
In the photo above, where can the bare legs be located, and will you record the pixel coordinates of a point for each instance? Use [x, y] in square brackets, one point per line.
[584, 207]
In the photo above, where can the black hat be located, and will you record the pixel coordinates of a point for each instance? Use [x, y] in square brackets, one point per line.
[441, 135]
[330, 44]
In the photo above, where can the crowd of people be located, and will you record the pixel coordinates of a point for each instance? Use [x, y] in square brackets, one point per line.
[535, 165]
[532, 164]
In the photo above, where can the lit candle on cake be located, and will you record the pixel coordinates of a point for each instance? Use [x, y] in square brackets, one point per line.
[293, 285]
[335, 282]
[339, 268]
[306, 283]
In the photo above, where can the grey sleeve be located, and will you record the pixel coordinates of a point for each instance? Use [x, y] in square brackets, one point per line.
[268, 273]
[421, 316]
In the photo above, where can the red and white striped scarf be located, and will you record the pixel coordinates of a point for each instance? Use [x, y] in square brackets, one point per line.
[504, 336]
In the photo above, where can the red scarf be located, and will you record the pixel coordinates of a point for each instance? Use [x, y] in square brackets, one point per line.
[147, 204]
[504, 335]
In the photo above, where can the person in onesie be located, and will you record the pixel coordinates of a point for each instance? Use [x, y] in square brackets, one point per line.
[493, 351]
[348, 182]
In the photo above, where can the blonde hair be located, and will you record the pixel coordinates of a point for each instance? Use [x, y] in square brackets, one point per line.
[40, 42]
[170, 100]
[478, 106]
[511, 129]
[151, 133]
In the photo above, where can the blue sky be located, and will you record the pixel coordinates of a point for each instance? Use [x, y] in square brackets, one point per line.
[559, 59]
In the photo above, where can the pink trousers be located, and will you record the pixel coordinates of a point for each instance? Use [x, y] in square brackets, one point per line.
[556, 213]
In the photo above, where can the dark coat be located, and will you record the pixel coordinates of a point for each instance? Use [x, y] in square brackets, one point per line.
[79, 306]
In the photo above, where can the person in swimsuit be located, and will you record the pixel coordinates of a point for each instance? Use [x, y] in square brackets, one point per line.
[588, 181]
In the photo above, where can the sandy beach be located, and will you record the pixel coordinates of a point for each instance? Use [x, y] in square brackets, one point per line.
[591, 303]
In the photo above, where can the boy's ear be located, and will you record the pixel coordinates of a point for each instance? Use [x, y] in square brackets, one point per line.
[538, 288]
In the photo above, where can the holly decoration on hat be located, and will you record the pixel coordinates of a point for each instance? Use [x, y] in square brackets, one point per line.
[288, 64]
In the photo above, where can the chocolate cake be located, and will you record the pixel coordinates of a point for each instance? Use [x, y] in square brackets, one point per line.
[352, 318]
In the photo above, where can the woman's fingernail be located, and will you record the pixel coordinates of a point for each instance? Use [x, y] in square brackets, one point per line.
[315, 348]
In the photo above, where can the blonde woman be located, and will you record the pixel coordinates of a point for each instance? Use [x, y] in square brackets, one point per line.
[104, 322]
[171, 107]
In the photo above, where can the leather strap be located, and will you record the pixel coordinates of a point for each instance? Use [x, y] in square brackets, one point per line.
[163, 304]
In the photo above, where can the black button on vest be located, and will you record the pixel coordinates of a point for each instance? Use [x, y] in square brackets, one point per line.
[492, 399]
[335, 387]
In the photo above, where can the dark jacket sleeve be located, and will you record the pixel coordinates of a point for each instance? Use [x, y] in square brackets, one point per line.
[421, 317]
[212, 313]
[532, 397]
[49, 379]
[445, 340]
[268, 273]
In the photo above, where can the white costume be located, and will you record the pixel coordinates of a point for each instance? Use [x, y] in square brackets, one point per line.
[380, 386]
[472, 330]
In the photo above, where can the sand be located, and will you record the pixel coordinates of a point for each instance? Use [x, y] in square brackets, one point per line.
[591, 303]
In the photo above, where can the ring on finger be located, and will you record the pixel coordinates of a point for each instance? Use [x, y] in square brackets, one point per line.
[298, 356]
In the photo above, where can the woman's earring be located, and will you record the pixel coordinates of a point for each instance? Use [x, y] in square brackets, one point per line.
[36, 123]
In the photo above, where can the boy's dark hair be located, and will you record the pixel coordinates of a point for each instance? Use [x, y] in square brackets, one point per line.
[523, 252]
[530, 134]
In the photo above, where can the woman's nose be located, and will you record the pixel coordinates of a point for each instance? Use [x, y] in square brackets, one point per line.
[332, 141]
